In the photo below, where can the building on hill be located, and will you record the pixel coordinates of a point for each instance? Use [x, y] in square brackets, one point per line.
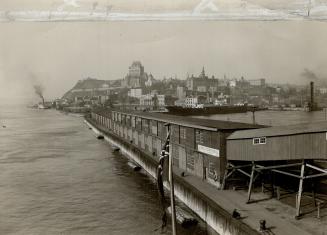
[202, 83]
[136, 76]
[257, 82]
[150, 81]
[135, 92]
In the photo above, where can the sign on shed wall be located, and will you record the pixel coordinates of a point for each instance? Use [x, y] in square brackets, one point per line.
[207, 150]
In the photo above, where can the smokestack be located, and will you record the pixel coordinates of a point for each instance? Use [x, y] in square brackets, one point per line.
[311, 96]
[39, 91]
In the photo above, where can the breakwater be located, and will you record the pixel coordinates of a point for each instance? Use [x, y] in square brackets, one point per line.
[186, 188]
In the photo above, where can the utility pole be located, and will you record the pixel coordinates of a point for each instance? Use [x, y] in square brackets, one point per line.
[253, 115]
[171, 182]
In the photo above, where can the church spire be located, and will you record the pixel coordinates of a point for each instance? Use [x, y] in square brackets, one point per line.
[203, 73]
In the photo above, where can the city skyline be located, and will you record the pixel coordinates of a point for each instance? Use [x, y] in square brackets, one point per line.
[56, 55]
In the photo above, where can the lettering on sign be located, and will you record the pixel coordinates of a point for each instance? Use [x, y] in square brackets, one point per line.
[207, 150]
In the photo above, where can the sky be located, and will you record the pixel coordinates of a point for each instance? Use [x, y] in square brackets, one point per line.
[58, 54]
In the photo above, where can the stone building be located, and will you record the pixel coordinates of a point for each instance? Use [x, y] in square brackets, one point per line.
[202, 83]
[136, 76]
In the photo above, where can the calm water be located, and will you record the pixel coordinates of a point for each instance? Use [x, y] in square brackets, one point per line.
[57, 178]
[272, 118]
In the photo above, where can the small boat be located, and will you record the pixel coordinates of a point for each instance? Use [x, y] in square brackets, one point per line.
[134, 166]
[183, 217]
[100, 137]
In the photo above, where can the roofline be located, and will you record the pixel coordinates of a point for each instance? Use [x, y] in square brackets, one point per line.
[167, 120]
[172, 122]
[301, 133]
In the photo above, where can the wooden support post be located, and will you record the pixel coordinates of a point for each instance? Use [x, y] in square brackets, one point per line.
[313, 188]
[318, 210]
[225, 177]
[278, 192]
[262, 187]
[171, 181]
[299, 196]
[251, 182]
[272, 185]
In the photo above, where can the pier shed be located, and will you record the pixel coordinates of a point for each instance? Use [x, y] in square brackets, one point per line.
[293, 142]
[287, 150]
[198, 145]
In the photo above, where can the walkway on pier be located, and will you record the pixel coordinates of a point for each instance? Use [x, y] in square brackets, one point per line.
[279, 216]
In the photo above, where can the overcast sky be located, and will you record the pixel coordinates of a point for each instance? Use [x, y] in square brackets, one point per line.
[57, 55]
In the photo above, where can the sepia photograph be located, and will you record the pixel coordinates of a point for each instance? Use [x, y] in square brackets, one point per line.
[197, 117]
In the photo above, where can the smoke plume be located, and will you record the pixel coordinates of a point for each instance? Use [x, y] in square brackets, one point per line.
[39, 91]
[310, 75]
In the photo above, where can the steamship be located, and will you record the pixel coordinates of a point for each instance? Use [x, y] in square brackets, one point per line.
[207, 110]
[42, 106]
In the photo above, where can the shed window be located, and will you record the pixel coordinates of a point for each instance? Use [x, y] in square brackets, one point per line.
[260, 140]
[133, 122]
[199, 137]
[182, 132]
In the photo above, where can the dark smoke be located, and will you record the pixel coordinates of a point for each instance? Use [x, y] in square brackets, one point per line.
[310, 75]
[39, 91]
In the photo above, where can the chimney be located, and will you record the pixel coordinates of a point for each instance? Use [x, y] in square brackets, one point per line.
[311, 96]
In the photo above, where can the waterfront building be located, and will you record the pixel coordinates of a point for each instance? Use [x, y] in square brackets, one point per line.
[195, 101]
[135, 92]
[191, 101]
[198, 145]
[152, 100]
[294, 151]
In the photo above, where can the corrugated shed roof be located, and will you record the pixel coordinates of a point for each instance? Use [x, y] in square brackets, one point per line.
[301, 128]
[194, 122]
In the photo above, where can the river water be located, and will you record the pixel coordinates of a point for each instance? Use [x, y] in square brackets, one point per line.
[272, 118]
[57, 178]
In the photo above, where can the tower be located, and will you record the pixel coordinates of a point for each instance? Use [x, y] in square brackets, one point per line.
[202, 75]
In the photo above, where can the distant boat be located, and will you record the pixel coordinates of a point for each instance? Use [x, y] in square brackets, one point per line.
[43, 106]
[206, 110]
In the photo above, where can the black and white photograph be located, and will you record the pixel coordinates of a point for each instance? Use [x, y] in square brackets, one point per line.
[174, 117]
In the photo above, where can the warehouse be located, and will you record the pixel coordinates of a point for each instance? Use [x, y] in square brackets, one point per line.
[198, 145]
[291, 151]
